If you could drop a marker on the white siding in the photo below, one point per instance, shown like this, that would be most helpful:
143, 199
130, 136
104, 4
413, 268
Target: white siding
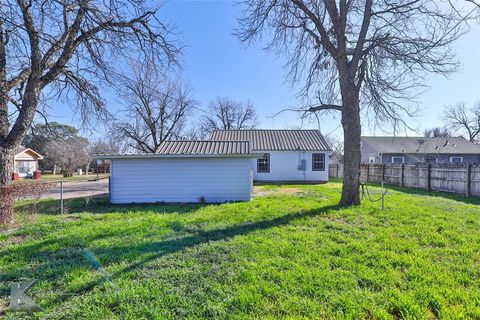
284, 167
180, 180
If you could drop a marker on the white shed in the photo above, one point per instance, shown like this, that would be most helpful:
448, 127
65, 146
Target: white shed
183, 171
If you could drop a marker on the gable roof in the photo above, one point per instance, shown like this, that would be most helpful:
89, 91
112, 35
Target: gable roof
192, 148
450, 145
21, 149
275, 140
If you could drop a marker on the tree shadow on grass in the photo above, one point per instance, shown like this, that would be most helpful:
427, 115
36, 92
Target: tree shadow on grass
452, 196
162, 248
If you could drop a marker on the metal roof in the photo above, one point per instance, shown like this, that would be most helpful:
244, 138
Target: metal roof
193, 148
198, 147
450, 145
276, 140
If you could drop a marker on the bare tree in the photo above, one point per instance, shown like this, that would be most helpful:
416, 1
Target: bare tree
226, 114
437, 133
50, 139
337, 148
156, 109
356, 55
67, 49
104, 145
70, 154
464, 121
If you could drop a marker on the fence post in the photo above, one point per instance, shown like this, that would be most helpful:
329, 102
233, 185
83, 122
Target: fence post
383, 172
368, 172
468, 179
61, 197
402, 168
429, 177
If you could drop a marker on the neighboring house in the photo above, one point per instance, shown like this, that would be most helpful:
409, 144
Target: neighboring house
25, 161
336, 157
183, 171
408, 150
287, 155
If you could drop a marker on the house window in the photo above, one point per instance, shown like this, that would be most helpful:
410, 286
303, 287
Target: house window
456, 159
430, 159
23, 166
371, 159
263, 163
318, 162
398, 159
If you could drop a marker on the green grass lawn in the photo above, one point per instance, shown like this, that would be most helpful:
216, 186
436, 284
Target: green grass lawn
289, 253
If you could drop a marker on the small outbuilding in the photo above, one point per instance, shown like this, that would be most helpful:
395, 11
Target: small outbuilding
183, 171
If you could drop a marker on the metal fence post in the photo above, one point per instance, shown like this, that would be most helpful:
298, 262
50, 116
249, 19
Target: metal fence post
61, 197
402, 168
383, 172
468, 179
429, 177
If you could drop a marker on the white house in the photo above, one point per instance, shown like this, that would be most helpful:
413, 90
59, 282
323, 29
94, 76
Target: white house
25, 161
287, 155
183, 171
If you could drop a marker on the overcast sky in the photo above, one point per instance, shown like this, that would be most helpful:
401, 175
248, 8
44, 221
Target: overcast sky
217, 64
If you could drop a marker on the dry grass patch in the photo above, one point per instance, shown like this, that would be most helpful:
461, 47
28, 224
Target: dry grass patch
266, 191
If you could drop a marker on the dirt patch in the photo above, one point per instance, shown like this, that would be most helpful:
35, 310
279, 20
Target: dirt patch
260, 191
72, 218
16, 239
4, 305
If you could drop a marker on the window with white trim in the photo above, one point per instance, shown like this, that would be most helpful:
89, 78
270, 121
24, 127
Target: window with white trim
318, 162
398, 159
456, 159
263, 163
23, 166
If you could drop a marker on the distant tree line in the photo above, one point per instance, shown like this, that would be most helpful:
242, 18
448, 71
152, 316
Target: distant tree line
64, 149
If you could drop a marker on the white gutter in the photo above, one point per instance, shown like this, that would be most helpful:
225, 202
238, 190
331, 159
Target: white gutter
173, 156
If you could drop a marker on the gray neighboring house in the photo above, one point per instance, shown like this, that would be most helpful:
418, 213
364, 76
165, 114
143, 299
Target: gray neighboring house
411, 150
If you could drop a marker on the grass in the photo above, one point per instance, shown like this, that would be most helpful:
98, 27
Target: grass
289, 253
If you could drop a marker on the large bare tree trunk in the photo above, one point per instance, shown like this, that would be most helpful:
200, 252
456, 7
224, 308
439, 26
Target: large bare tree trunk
351, 133
6, 166
6, 169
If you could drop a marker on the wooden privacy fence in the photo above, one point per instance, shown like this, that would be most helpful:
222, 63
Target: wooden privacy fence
462, 179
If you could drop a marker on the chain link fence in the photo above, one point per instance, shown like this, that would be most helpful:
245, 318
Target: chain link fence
52, 197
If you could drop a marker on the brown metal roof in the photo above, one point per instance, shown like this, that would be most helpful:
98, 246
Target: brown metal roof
203, 147
275, 140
